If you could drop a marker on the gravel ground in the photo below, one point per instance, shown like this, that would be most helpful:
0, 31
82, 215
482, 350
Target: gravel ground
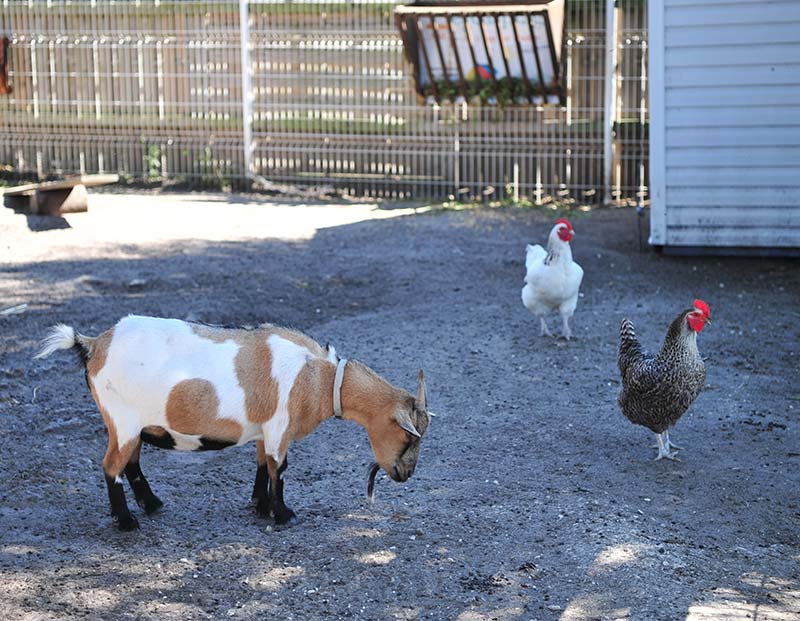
533, 498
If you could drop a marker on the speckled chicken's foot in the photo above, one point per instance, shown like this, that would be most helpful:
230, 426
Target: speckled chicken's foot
545, 331
663, 449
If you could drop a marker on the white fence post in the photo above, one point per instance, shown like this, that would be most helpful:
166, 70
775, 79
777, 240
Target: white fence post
247, 88
609, 112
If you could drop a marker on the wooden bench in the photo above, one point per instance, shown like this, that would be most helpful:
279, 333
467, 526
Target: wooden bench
52, 198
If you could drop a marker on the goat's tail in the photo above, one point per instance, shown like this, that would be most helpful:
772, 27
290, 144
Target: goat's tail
65, 337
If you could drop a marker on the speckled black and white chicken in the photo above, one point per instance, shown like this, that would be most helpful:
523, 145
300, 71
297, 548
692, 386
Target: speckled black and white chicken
657, 390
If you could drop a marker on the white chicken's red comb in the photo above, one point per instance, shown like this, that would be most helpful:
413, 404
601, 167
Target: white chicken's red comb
703, 307
564, 221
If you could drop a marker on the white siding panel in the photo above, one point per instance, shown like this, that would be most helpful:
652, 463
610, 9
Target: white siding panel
743, 115
733, 136
736, 75
746, 236
731, 217
732, 34
753, 198
703, 177
747, 158
728, 55
733, 13
715, 96
684, 3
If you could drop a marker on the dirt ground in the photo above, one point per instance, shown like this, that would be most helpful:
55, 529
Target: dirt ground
533, 497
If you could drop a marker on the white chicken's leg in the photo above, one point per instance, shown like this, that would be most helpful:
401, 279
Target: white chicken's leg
566, 330
663, 449
545, 331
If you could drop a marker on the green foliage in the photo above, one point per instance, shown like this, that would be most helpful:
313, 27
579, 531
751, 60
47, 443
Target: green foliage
503, 92
213, 174
152, 161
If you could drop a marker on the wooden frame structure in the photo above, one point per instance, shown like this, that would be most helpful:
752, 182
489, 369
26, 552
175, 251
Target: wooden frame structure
503, 53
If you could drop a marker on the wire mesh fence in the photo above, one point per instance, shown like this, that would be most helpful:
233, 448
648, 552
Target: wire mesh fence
152, 90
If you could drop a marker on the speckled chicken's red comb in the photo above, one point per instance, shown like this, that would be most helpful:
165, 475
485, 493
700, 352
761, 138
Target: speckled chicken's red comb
564, 221
703, 307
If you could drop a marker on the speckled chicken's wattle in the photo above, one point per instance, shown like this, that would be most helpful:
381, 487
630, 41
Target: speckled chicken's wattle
657, 390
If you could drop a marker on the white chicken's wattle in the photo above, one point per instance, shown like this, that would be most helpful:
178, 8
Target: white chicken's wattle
552, 279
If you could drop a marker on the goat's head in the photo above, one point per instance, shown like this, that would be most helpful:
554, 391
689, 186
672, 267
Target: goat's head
395, 429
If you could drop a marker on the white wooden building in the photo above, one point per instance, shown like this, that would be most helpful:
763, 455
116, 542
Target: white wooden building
725, 125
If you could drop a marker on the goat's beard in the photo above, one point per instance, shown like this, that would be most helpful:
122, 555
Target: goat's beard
372, 472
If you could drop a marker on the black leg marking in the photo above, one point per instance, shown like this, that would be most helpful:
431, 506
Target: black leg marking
262, 481
207, 444
262, 492
164, 440
119, 507
145, 497
282, 513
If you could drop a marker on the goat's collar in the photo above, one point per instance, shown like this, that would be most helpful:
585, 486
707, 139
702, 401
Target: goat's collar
337, 388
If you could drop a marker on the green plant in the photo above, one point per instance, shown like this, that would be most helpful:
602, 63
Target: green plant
212, 172
152, 161
503, 92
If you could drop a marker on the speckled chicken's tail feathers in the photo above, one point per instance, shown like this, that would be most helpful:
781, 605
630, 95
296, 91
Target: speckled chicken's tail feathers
629, 348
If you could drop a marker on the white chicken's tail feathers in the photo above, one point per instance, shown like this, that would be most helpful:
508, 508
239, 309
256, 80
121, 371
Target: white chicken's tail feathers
533, 255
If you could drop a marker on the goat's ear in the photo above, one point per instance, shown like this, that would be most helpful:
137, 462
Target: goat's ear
422, 395
404, 420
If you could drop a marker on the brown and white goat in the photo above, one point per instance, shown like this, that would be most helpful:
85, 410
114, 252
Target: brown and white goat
188, 386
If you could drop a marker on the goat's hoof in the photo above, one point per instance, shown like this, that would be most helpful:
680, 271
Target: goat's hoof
126, 523
263, 510
286, 518
151, 505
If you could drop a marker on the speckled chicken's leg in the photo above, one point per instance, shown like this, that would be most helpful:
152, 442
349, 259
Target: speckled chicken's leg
545, 331
663, 449
669, 442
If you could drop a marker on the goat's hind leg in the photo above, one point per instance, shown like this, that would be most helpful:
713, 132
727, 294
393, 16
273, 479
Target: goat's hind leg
262, 491
145, 497
114, 463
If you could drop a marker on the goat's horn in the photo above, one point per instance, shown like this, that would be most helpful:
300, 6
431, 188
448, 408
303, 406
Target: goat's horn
422, 395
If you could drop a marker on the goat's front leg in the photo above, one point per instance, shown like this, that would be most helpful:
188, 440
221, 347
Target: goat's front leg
261, 487
281, 513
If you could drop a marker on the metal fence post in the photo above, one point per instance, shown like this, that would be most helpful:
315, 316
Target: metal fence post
247, 88
609, 109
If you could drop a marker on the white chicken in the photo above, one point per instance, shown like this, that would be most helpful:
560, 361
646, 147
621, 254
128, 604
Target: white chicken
553, 279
